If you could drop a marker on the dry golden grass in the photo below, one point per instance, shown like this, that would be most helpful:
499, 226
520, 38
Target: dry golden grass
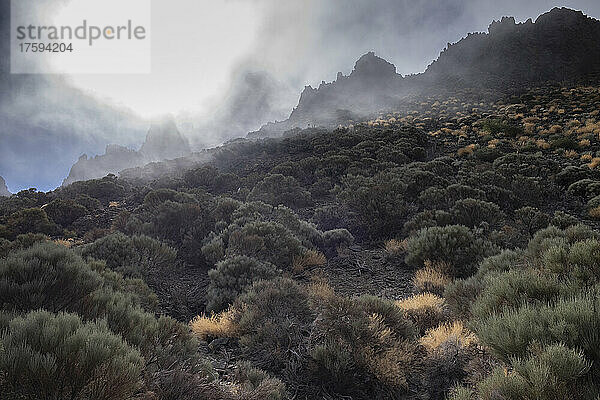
529, 127
454, 332
426, 310
556, 129
542, 144
66, 243
394, 246
320, 290
594, 213
311, 258
571, 154
493, 143
584, 143
421, 301
594, 163
467, 150
432, 278
218, 325
586, 157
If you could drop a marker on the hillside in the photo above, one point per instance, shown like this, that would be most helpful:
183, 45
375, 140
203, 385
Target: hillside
445, 247
560, 46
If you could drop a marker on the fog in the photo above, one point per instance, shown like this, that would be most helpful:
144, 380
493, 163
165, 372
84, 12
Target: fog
223, 68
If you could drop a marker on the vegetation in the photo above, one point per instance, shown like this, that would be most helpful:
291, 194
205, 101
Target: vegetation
448, 249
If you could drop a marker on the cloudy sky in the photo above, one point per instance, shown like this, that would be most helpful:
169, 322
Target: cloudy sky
200, 48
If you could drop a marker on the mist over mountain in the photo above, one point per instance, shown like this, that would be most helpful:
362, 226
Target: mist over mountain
253, 98
560, 46
47, 123
163, 142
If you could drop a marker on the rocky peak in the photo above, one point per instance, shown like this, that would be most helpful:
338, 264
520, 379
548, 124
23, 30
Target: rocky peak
164, 142
3, 189
506, 24
371, 66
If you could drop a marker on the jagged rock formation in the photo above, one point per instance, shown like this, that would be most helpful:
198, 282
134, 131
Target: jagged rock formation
562, 45
372, 84
3, 189
163, 142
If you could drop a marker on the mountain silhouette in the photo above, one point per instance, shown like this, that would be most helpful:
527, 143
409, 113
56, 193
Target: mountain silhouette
562, 45
163, 142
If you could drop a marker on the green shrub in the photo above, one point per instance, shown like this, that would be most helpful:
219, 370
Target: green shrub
137, 256
362, 347
531, 220
573, 321
472, 212
45, 276
56, 356
337, 238
513, 288
232, 277
555, 373
460, 294
65, 212
273, 320
455, 245
266, 241
498, 126
276, 189
29, 220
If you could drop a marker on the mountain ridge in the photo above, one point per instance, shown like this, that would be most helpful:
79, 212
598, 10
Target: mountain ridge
561, 45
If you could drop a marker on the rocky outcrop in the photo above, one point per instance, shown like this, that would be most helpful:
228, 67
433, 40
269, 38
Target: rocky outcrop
163, 142
373, 84
3, 189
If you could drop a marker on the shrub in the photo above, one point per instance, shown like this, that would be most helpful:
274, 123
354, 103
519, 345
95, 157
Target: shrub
425, 310
574, 322
555, 373
460, 294
278, 189
46, 276
362, 347
454, 333
273, 320
337, 239
65, 212
137, 256
310, 258
455, 245
513, 288
432, 278
265, 241
29, 220
57, 356
472, 212
531, 220
214, 326
232, 277
498, 126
